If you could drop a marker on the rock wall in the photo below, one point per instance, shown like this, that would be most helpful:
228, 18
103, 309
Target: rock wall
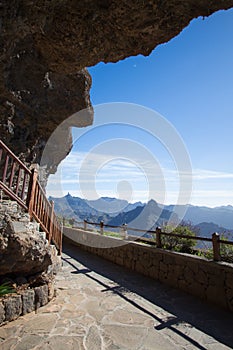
45, 46
208, 280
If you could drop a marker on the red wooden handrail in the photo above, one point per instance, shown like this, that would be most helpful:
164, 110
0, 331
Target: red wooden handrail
22, 185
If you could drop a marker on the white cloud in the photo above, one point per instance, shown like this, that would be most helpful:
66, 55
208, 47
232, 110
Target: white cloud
105, 171
203, 174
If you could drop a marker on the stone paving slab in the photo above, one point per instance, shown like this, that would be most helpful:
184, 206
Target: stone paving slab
101, 306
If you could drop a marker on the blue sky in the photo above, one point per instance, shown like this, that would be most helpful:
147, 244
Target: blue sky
189, 82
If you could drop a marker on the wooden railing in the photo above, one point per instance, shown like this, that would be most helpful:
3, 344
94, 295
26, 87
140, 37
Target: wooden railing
157, 234
22, 185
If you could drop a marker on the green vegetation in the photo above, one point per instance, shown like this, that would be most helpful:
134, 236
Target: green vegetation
183, 245
6, 288
112, 234
226, 251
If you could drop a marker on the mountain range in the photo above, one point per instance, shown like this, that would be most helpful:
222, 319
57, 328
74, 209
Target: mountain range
116, 212
103, 208
222, 216
146, 217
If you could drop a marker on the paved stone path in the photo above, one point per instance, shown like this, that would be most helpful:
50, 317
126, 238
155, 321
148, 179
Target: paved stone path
100, 305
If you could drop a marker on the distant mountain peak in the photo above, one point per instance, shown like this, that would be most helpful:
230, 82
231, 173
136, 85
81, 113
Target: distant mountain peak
152, 202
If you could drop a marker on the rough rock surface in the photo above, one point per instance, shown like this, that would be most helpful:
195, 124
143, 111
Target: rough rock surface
24, 250
45, 46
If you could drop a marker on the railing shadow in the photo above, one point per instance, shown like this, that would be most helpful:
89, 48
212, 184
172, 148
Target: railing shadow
182, 307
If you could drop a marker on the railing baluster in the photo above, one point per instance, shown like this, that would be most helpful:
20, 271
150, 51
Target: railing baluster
37, 208
18, 181
24, 185
46, 216
12, 173
5, 169
41, 207
51, 226
39, 204
34, 200
36, 203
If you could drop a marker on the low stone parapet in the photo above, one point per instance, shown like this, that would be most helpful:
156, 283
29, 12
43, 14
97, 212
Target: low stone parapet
208, 280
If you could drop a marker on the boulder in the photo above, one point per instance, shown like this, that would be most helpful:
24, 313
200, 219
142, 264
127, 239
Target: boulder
24, 250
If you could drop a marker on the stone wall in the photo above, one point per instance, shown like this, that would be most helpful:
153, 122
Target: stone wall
15, 305
208, 280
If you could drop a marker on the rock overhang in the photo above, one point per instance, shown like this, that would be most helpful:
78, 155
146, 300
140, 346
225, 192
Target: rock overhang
46, 46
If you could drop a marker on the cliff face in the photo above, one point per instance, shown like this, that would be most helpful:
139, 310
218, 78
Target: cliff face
45, 46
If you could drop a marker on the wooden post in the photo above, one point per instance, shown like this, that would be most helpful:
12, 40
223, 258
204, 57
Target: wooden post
85, 225
31, 191
125, 231
60, 235
101, 227
216, 246
60, 244
158, 237
51, 221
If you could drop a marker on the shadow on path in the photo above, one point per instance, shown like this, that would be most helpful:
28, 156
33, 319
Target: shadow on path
183, 308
